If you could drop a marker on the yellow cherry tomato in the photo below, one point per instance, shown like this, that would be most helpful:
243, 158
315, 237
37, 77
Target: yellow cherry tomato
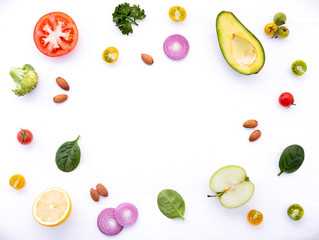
255, 217
177, 13
110, 54
271, 29
17, 181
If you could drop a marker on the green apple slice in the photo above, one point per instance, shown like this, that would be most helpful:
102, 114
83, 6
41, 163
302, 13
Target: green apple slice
232, 186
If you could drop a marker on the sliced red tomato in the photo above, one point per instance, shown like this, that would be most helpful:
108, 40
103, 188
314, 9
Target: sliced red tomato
55, 34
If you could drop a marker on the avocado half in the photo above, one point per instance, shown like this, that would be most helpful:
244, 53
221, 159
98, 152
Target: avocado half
241, 49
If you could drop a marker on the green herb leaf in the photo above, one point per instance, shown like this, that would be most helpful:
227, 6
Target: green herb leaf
68, 156
291, 159
171, 204
124, 16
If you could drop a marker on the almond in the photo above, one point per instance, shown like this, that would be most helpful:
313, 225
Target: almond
254, 135
102, 190
62, 83
94, 195
60, 98
250, 124
147, 59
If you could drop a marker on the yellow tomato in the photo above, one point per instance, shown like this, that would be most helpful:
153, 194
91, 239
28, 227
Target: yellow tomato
177, 13
255, 217
271, 29
17, 181
110, 54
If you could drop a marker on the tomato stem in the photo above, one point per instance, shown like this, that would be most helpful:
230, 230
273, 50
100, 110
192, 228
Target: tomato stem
24, 135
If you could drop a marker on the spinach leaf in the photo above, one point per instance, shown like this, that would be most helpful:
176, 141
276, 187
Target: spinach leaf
291, 159
171, 204
68, 156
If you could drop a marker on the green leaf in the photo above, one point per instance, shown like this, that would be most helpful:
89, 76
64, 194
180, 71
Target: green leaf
68, 156
171, 204
137, 13
124, 9
291, 159
124, 16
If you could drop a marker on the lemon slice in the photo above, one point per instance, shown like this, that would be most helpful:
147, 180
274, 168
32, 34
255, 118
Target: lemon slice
52, 207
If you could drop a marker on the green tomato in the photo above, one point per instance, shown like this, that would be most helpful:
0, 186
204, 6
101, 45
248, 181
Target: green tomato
299, 67
283, 32
280, 18
295, 212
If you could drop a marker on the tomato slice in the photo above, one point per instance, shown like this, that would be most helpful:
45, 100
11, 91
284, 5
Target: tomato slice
295, 212
110, 54
255, 217
55, 34
17, 181
177, 13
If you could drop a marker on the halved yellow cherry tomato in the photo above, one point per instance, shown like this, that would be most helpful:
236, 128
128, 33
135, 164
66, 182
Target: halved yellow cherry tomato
177, 13
271, 29
17, 181
110, 54
255, 217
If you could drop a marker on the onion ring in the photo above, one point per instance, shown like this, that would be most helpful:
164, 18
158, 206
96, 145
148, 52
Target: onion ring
176, 47
126, 214
107, 223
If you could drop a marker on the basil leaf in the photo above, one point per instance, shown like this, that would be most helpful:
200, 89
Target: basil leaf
291, 159
68, 156
171, 204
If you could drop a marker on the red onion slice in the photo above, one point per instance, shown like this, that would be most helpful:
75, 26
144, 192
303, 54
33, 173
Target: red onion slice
107, 223
126, 214
176, 47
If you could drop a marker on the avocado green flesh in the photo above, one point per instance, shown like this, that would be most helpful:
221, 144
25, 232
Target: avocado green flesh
241, 49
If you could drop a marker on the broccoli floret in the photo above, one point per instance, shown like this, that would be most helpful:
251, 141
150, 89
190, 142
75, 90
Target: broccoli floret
26, 79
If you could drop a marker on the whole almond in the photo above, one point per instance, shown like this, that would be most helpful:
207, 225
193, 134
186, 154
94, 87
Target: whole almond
62, 83
102, 190
254, 135
60, 98
94, 195
250, 124
147, 59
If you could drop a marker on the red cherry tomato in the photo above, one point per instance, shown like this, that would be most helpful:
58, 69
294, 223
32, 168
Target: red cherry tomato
25, 136
286, 99
55, 34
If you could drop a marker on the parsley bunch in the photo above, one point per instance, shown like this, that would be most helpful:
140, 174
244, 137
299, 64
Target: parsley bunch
125, 15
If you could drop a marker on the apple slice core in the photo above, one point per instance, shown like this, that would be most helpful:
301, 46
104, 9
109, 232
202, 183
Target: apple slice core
238, 195
232, 186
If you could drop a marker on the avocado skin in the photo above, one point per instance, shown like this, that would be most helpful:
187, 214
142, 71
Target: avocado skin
260, 47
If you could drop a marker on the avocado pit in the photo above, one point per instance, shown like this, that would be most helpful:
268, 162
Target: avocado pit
243, 52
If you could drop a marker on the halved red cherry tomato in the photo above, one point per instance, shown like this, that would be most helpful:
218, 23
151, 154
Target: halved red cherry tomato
255, 217
55, 34
25, 136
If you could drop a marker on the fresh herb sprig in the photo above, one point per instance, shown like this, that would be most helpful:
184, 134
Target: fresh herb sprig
125, 15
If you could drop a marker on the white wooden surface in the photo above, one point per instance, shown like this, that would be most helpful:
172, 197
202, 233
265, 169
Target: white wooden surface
169, 125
